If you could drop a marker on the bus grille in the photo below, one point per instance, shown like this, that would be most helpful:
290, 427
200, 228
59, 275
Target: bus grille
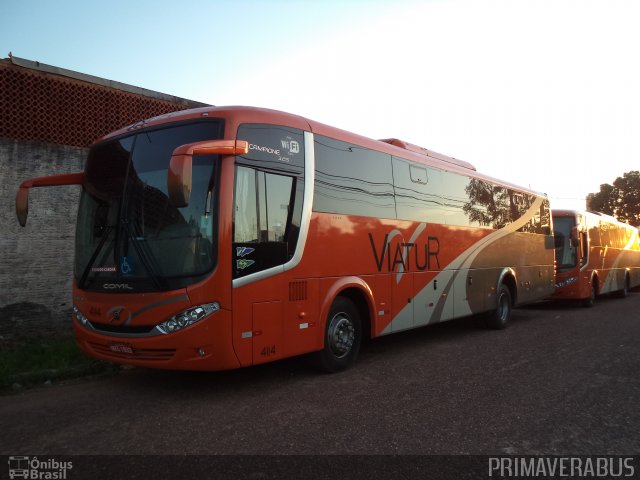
297, 291
149, 354
131, 330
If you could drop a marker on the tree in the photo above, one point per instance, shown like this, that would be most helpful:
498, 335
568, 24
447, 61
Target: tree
602, 201
622, 199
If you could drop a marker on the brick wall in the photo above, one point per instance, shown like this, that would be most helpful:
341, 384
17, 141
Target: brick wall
37, 104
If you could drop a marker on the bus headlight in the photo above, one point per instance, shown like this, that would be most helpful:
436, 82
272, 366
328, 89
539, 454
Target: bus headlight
188, 317
80, 316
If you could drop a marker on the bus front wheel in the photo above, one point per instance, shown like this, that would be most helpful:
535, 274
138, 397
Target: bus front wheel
342, 337
590, 301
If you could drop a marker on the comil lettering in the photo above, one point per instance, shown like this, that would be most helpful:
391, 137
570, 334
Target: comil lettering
116, 286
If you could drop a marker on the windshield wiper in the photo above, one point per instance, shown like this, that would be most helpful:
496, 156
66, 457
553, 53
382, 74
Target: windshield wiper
94, 256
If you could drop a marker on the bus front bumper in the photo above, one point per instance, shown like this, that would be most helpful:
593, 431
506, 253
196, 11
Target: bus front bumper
206, 345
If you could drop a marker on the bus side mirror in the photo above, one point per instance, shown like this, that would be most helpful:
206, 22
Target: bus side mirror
22, 197
179, 175
575, 238
179, 180
22, 205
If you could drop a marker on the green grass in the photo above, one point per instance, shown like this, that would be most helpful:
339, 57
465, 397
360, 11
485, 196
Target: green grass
32, 364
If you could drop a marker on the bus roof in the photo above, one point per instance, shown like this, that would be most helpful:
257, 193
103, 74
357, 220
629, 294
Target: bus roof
429, 153
393, 146
589, 213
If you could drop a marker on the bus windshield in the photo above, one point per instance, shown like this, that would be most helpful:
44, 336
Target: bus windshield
129, 237
566, 254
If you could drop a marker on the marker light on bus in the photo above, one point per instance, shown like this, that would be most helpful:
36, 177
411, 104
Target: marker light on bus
188, 317
80, 316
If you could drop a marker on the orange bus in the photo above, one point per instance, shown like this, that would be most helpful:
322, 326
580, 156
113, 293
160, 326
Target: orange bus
218, 238
595, 254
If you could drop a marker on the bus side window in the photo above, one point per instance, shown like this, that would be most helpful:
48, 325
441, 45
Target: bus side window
245, 215
262, 219
418, 192
274, 194
352, 180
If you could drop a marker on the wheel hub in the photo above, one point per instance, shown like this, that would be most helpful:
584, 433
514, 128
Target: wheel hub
341, 334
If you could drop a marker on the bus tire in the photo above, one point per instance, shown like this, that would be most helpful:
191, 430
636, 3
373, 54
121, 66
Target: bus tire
624, 292
498, 318
342, 337
590, 301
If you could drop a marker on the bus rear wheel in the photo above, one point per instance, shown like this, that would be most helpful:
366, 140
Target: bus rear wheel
500, 316
624, 292
342, 338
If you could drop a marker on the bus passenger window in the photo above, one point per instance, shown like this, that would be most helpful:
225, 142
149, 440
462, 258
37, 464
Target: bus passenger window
353, 180
419, 192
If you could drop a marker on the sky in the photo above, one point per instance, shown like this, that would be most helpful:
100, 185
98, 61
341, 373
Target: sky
540, 93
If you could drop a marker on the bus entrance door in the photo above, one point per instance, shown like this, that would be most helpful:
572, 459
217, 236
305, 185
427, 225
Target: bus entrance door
267, 331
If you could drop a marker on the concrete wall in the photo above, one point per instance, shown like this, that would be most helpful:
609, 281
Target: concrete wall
36, 262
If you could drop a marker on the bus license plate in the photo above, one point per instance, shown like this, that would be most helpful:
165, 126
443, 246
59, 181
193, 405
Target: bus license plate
121, 348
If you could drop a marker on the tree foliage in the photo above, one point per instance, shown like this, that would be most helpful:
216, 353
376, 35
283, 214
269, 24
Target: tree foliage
622, 199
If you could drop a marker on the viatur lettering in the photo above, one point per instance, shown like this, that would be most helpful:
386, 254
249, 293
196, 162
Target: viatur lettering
406, 256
